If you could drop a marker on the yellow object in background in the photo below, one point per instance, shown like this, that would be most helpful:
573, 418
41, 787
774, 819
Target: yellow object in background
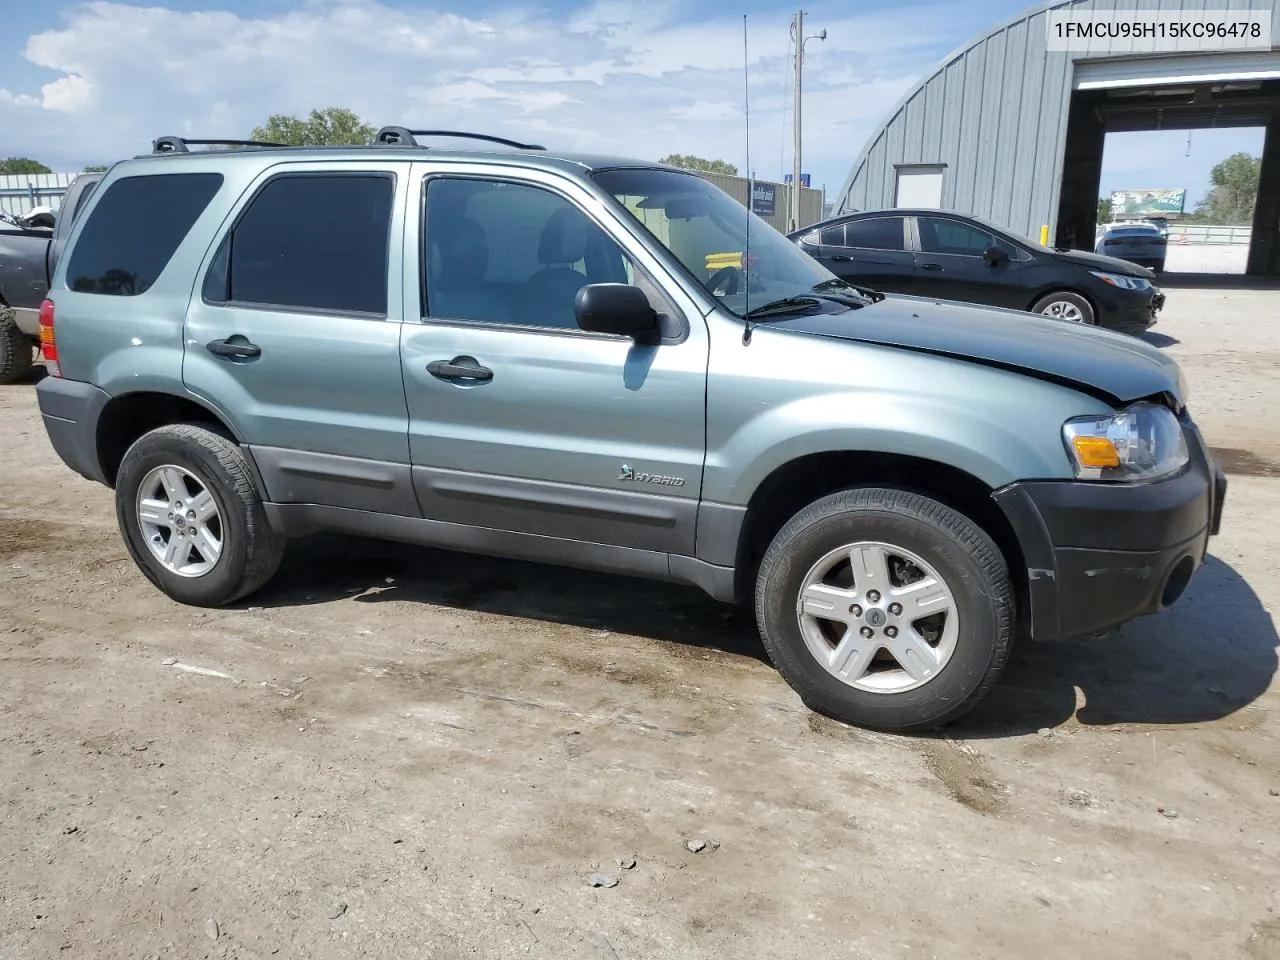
718, 261
1044, 235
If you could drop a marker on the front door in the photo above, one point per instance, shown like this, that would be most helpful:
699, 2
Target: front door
950, 264
294, 334
519, 420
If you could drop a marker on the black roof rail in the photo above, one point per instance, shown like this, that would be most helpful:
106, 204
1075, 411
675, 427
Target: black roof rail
179, 144
404, 137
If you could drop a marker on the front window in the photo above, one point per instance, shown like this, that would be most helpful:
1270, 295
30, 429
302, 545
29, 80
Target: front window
706, 230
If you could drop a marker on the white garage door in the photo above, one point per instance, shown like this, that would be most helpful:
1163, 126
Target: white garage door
919, 186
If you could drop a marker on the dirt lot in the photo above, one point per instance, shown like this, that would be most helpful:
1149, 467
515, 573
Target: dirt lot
409, 754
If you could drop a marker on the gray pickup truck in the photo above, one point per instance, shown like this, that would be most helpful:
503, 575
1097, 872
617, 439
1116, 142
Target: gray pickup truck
29, 248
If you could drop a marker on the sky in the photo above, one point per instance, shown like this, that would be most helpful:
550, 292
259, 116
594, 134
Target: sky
89, 83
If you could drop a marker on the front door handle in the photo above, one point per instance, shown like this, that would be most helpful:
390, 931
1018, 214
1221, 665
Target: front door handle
930, 266
459, 368
234, 347
840, 258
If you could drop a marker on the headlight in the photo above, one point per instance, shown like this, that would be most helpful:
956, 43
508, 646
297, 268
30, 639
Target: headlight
1123, 282
1139, 443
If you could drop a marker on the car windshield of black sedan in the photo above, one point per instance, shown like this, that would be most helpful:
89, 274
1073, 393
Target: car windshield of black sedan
707, 231
1013, 235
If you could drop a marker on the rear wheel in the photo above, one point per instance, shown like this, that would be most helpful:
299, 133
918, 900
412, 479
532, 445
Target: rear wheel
1065, 305
191, 518
16, 349
885, 609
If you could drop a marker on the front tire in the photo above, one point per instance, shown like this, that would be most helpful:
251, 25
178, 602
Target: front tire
1065, 305
885, 609
16, 349
191, 518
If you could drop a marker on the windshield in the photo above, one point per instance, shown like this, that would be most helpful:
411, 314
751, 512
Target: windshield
1011, 234
706, 230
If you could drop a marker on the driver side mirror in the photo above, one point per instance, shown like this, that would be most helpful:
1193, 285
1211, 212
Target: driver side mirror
617, 308
994, 256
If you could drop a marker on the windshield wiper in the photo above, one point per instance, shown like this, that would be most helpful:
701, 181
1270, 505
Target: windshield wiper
835, 283
784, 305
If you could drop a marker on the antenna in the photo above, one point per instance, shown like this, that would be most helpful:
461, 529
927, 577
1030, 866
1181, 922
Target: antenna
751, 189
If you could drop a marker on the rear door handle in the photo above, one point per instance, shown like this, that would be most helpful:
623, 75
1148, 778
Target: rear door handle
234, 347
930, 266
459, 368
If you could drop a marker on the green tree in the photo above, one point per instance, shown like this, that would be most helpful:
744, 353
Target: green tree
697, 163
1230, 201
96, 169
330, 127
1104, 209
19, 165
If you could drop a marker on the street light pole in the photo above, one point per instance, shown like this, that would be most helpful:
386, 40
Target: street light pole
797, 34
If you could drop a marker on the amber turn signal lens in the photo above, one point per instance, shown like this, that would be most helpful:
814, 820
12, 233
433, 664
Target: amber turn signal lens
1096, 452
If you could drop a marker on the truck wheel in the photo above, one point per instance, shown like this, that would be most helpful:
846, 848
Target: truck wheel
885, 609
16, 348
1066, 305
191, 518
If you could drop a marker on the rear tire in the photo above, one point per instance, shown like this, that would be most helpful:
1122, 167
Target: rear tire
870, 642
16, 349
1065, 305
191, 518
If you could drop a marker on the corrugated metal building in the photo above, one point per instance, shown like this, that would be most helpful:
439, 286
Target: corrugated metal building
20, 192
1011, 130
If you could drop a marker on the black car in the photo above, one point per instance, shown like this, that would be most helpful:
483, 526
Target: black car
953, 256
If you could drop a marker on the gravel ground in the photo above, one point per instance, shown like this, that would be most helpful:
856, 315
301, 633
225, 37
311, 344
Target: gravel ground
396, 753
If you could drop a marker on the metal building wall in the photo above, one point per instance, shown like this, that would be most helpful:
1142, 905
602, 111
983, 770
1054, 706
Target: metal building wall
20, 192
995, 113
739, 188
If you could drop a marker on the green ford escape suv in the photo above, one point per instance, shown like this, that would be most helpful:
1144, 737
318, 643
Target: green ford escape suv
610, 364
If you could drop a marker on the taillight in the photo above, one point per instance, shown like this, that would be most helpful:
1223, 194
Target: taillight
48, 345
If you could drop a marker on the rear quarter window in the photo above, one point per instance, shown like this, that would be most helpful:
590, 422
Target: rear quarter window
134, 230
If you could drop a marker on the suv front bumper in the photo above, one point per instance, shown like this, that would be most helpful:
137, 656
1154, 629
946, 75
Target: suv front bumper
1099, 554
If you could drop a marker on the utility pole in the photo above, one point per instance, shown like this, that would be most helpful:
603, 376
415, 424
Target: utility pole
797, 34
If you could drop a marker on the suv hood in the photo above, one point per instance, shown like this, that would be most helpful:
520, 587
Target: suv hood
1098, 261
1117, 367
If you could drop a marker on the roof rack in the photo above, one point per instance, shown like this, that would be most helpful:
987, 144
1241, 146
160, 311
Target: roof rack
404, 137
180, 144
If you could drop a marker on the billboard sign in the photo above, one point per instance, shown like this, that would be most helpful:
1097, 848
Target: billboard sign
764, 198
1147, 203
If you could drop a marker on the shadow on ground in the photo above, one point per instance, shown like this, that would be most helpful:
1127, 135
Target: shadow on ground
1217, 281
1159, 339
328, 567
1209, 656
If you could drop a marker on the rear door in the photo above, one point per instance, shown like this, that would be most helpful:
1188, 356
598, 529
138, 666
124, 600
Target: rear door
950, 264
870, 251
294, 333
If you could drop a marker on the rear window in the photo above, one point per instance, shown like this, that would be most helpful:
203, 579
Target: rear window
310, 242
878, 233
134, 230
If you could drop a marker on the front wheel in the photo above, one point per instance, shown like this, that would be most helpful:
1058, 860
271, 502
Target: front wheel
885, 609
191, 517
1065, 305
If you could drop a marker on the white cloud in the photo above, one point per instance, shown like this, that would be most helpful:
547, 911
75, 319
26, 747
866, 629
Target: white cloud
617, 77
